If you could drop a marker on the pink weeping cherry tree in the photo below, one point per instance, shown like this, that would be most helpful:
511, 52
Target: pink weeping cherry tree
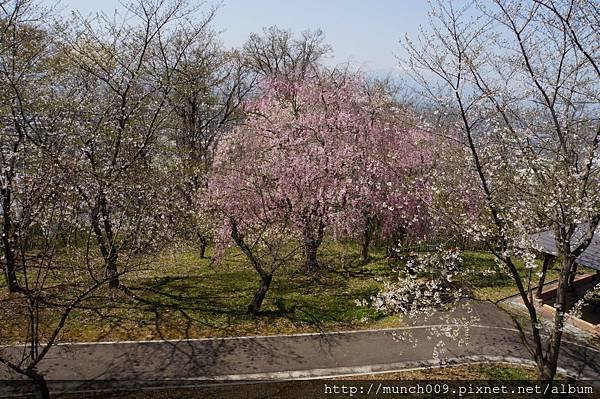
242, 197
336, 148
315, 154
313, 130
393, 180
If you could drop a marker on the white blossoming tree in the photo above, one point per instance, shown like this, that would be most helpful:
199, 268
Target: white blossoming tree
517, 83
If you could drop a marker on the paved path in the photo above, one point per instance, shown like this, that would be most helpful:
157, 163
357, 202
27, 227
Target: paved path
294, 356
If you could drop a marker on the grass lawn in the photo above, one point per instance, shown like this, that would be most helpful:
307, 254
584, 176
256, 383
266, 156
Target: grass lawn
179, 295
489, 281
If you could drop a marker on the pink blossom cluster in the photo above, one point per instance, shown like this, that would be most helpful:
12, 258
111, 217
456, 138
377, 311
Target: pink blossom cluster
321, 154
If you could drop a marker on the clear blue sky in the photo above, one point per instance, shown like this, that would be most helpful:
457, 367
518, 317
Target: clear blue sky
367, 33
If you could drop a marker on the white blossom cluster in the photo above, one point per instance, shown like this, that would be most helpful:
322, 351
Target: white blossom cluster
426, 291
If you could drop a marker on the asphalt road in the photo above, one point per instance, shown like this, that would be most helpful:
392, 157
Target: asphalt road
126, 364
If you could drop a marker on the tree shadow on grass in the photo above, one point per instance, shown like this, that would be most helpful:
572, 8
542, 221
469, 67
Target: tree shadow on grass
191, 293
214, 303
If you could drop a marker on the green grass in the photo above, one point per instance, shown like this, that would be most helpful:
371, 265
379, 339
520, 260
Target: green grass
487, 280
179, 295
506, 373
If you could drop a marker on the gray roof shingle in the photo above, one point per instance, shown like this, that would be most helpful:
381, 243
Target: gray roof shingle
546, 242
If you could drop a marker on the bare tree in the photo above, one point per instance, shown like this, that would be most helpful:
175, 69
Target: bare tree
50, 291
278, 52
125, 70
211, 85
518, 84
38, 200
22, 49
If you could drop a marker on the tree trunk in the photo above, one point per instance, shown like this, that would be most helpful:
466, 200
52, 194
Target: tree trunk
10, 264
112, 273
394, 242
311, 263
546, 376
105, 239
548, 260
203, 244
41, 387
389, 248
259, 296
572, 274
367, 237
265, 277
312, 241
111, 262
364, 252
547, 370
